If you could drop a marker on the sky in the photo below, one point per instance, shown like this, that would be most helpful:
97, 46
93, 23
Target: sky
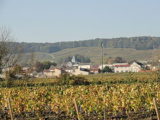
69, 20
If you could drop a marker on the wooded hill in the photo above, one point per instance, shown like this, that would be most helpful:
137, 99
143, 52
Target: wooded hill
138, 43
134, 48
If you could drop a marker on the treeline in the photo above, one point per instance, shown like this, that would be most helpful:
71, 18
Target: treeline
139, 43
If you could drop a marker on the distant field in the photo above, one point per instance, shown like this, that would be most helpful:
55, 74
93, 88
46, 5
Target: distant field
109, 96
94, 53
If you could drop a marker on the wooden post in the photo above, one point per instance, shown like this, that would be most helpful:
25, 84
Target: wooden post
76, 107
10, 109
104, 113
104, 108
156, 108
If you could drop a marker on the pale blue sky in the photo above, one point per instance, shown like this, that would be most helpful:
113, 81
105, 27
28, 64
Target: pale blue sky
68, 20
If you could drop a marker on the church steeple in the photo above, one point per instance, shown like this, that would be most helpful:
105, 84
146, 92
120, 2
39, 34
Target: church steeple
73, 59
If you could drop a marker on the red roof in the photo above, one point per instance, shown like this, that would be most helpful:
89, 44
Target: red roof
127, 65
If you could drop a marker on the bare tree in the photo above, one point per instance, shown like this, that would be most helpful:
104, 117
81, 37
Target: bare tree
9, 55
9, 50
4, 39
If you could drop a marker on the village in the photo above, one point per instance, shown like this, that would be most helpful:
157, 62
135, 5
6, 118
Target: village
74, 68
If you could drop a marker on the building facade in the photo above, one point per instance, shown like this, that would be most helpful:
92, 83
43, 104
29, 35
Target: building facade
125, 67
56, 72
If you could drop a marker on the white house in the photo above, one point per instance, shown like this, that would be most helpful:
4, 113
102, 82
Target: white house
79, 72
121, 68
84, 66
125, 67
135, 67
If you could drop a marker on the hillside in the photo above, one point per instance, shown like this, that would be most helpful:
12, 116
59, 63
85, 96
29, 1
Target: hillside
133, 48
138, 43
94, 53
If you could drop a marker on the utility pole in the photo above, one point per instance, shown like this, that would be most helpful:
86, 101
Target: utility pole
102, 55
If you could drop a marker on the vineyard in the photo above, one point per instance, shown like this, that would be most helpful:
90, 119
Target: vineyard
107, 97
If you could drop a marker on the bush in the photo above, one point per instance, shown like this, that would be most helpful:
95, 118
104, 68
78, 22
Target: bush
77, 80
67, 79
107, 70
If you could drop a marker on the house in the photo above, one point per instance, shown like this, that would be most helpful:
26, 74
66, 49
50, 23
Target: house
53, 72
69, 70
136, 67
84, 66
69, 64
80, 72
77, 69
125, 67
121, 67
81, 69
94, 69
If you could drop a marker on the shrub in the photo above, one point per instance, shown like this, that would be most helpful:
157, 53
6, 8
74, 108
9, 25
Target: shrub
78, 80
67, 79
107, 70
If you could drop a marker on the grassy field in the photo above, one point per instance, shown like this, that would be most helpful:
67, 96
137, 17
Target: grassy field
109, 96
